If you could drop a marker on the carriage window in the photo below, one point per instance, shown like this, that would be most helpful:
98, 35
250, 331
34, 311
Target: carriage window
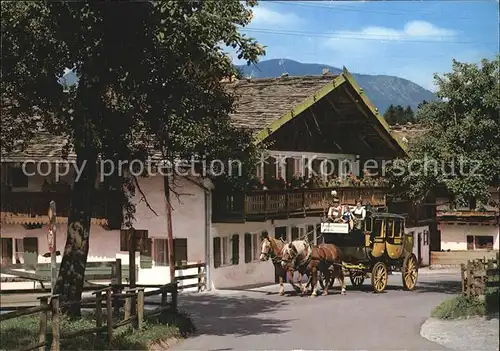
397, 228
377, 227
389, 227
368, 224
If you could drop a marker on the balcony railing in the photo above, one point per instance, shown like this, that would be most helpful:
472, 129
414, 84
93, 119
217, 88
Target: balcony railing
31, 207
276, 204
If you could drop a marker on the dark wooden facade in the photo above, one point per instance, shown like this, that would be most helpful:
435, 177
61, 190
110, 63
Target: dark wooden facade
282, 204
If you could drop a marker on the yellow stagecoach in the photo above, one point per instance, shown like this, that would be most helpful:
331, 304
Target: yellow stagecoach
373, 249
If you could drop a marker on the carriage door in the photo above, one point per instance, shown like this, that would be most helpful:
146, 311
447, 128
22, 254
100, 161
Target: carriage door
394, 241
279, 233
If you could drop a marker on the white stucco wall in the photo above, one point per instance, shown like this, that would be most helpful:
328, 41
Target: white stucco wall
424, 244
252, 273
188, 221
454, 237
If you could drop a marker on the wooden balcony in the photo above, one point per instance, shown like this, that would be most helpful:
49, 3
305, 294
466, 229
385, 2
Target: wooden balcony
30, 208
281, 204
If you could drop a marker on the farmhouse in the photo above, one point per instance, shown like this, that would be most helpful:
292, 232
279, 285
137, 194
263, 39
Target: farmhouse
466, 232
319, 124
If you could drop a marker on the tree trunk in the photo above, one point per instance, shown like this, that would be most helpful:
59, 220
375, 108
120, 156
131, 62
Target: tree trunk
72, 272
170, 236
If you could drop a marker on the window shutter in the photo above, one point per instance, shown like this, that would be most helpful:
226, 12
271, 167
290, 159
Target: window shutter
236, 249
217, 257
30, 254
146, 261
248, 247
180, 250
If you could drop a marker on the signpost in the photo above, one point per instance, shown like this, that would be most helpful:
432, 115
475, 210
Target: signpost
51, 241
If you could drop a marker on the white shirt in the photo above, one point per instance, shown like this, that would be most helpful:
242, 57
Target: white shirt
359, 211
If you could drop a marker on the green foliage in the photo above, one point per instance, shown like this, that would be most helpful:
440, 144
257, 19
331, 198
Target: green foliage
23, 331
458, 307
399, 115
462, 138
149, 76
149, 83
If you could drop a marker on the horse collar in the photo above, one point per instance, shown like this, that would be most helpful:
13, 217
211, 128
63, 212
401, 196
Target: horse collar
308, 259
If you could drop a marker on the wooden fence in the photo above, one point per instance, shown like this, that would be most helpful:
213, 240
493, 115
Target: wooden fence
134, 312
479, 276
456, 258
200, 276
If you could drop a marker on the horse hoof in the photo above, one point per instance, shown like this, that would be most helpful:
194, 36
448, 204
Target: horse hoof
325, 293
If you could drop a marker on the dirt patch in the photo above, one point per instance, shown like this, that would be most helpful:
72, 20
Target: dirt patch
164, 344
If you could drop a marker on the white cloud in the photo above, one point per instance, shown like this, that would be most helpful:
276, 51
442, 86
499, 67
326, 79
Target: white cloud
264, 16
412, 31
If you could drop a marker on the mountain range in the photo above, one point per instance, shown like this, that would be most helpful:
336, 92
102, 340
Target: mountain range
382, 90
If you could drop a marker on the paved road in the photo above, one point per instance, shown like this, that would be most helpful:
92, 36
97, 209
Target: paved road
360, 320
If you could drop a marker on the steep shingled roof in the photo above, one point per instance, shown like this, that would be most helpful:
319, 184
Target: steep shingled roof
265, 105
262, 101
407, 131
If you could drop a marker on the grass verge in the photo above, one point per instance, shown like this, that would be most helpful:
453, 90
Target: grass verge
23, 331
459, 307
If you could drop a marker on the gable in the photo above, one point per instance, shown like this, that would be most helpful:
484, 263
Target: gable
325, 113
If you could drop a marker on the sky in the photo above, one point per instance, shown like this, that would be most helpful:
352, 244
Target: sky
408, 39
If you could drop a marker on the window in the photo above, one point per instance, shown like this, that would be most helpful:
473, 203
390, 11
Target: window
280, 233
252, 247
377, 228
389, 226
160, 252
470, 242
226, 250
17, 178
290, 169
426, 237
295, 233
368, 224
310, 235
126, 237
26, 251
483, 242
397, 228
6, 251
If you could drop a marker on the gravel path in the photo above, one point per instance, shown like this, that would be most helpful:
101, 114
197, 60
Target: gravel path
466, 334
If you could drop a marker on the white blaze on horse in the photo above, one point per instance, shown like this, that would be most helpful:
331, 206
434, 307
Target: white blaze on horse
272, 248
307, 259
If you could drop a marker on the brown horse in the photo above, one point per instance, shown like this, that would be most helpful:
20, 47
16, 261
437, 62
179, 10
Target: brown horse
311, 260
272, 248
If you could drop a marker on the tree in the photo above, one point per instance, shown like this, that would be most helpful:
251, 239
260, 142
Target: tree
149, 79
399, 115
463, 136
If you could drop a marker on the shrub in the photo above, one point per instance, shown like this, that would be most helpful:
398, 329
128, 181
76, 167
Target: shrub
459, 306
23, 331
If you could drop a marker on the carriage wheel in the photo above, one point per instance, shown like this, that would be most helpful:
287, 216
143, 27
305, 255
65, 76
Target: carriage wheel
379, 277
410, 272
357, 278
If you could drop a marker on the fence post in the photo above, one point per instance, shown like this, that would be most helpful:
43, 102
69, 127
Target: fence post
464, 281
128, 305
470, 282
174, 296
54, 301
42, 335
118, 280
109, 315
199, 278
140, 308
98, 309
